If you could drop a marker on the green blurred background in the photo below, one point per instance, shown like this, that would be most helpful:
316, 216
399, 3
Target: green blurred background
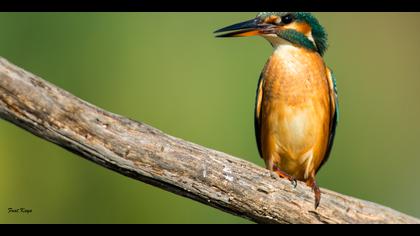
167, 69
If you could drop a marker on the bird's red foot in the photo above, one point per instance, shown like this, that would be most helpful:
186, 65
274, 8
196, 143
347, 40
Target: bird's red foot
283, 174
312, 183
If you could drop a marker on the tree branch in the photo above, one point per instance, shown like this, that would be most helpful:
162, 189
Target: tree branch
144, 153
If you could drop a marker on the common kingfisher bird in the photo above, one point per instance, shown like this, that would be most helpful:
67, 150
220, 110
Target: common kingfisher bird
296, 107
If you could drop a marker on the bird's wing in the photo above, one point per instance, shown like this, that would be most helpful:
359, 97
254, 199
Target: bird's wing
257, 115
334, 114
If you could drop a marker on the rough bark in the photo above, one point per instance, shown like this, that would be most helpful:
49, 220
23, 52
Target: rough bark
144, 153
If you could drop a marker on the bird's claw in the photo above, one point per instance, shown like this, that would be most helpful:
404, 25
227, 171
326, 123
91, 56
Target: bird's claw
294, 182
282, 174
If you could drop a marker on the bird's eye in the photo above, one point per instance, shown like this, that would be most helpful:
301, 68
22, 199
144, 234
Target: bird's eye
287, 19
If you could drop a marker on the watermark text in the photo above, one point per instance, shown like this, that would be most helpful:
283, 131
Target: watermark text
21, 210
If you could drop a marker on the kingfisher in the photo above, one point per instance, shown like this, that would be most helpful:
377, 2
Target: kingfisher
296, 105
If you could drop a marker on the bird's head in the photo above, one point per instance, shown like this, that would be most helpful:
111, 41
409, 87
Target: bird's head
299, 28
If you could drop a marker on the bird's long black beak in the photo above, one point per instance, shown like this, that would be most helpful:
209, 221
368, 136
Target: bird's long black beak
246, 28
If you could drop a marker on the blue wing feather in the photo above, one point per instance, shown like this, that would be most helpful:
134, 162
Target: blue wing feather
334, 120
257, 117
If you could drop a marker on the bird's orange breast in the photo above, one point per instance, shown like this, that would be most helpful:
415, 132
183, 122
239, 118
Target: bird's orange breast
294, 111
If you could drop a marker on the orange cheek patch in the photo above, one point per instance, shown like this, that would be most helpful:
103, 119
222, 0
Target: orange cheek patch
299, 27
